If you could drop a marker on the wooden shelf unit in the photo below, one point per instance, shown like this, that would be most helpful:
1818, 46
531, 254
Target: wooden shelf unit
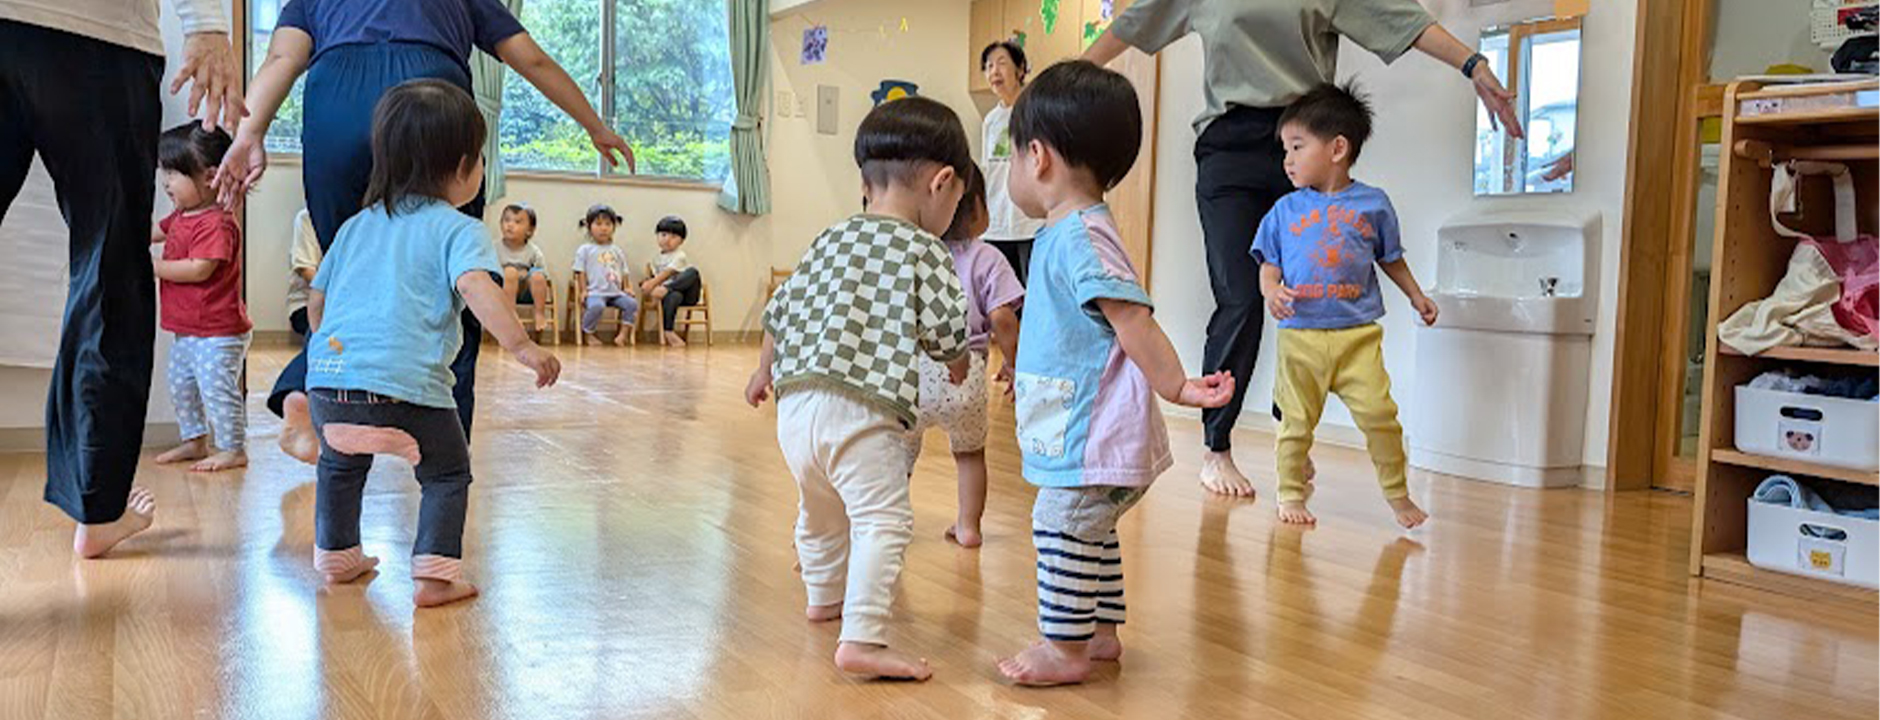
1748, 260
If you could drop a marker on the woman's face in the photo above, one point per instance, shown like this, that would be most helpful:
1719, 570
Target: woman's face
1002, 74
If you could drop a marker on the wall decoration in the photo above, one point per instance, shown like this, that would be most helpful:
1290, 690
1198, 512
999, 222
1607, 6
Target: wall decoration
1018, 38
892, 90
1106, 10
815, 44
1049, 12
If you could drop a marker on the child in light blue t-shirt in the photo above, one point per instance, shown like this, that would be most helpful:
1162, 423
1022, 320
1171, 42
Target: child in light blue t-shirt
385, 310
1319, 248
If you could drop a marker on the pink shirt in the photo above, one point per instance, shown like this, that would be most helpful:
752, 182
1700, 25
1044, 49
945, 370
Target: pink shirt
989, 284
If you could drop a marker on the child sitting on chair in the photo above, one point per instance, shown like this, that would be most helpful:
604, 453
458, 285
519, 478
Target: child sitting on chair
525, 270
675, 282
600, 270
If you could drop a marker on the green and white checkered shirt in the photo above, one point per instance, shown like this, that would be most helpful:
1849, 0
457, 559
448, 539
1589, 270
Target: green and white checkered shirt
870, 297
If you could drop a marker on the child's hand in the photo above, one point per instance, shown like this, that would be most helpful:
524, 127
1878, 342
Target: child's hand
959, 369
1279, 301
1009, 376
547, 368
1210, 391
758, 389
1425, 307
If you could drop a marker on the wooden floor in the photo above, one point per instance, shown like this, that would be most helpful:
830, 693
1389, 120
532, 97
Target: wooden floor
631, 532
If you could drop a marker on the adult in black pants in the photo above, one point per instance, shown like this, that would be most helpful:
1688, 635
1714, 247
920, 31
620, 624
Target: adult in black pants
1258, 57
78, 88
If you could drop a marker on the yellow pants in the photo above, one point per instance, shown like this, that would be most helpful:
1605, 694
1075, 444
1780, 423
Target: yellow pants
1349, 362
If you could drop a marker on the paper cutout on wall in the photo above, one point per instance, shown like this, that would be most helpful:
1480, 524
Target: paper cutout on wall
892, 90
1092, 31
815, 44
903, 24
1049, 12
1106, 10
1018, 38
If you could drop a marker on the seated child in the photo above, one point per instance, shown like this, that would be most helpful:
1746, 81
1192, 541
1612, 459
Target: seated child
525, 271
1317, 248
993, 297
675, 283
600, 274
842, 339
400, 274
201, 280
303, 261
1091, 366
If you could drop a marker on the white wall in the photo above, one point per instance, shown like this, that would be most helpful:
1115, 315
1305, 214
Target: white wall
814, 181
1421, 156
1751, 35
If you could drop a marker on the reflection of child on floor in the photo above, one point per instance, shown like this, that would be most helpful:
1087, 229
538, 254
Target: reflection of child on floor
525, 270
675, 282
993, 296
600, 272
201, 278
1318, 250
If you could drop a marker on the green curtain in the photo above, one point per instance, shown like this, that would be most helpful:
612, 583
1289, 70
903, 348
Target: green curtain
486, 79
747, 189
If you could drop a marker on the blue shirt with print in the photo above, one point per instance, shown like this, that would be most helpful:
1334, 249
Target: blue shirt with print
1327, 247
391, 323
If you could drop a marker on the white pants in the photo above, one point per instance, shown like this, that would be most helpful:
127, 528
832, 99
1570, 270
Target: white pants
205, 386
854, 520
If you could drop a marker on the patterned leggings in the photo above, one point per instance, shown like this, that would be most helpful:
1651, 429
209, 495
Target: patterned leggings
205, 384
1080, 560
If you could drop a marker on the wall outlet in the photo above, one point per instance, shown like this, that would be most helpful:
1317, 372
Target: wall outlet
785, 104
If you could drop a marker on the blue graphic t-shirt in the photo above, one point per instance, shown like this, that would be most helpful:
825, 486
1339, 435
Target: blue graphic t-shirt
1327, 248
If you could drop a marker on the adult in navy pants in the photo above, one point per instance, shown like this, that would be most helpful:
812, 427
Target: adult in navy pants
78, 88
352, 51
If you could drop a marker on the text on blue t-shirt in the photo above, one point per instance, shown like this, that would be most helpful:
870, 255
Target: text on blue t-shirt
1327, 248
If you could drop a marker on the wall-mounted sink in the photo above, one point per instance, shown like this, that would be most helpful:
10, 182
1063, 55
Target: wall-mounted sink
1518, 271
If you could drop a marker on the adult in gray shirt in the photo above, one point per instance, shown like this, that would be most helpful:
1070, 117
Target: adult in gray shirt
1259, 57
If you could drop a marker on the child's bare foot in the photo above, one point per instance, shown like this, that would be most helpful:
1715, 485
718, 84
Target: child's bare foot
672, 339
880, 661
1047, 663
1408, 514
432, 593
1295, 513
964, 535
343, 566
592, 339
298, 439
1221, 477
624, 336
93, 541
225, 460
823, 613
1106, 646
196, 449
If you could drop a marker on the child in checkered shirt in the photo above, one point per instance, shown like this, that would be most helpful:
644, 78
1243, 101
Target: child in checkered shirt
843, 340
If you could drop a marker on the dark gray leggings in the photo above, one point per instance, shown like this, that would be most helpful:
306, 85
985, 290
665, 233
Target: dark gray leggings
443, 470
683, 289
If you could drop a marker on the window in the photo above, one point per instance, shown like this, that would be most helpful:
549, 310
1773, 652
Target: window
669, 81
284, 134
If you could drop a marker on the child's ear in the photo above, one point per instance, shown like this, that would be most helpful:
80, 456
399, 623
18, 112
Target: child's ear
1040, 156
943, 180
1341, 149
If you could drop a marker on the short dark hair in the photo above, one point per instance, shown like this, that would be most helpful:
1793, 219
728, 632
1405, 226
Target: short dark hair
191, 150
1329, 111
671, 224
524, 210
598, 211
897, 136
424, 132
1011, 49
1087, 114
972, 205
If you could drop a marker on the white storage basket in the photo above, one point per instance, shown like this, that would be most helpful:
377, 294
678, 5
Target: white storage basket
1815, 544
1816, 428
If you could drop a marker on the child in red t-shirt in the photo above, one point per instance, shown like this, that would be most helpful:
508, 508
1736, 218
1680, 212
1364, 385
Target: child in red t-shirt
201, 281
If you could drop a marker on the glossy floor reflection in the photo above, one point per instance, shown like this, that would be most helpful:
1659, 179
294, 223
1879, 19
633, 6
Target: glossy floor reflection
631, 533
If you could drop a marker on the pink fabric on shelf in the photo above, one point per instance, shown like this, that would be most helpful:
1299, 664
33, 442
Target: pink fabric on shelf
1857, 265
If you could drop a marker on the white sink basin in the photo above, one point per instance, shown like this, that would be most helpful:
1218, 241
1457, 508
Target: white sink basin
1518, 271
1545, 315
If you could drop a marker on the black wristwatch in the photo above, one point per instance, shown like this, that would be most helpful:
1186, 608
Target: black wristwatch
1468, 66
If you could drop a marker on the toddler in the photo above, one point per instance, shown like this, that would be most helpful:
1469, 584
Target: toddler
1316, 250
201, 279
400, 274
525, 271
675, 283
993, 296
842, 339
1092, 364
303, 261
600, 270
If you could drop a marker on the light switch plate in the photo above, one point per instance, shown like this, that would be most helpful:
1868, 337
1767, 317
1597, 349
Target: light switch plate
827, 104
786, 103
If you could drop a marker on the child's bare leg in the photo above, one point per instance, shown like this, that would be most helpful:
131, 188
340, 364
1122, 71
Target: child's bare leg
1106, 646
1047, 663
298, 439
92, 541
972, 477
191, 449
511, 286
1408, 514
880, 661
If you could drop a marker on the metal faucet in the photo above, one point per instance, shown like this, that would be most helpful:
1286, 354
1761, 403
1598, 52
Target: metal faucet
1548, 286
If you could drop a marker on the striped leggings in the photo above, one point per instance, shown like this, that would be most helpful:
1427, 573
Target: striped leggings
1080, 561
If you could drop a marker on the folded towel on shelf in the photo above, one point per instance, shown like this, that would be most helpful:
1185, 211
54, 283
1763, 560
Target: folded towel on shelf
1788, 492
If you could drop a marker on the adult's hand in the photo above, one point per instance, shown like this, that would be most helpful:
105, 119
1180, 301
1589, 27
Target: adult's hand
241, 169
1499, 100
609, 142
210, 69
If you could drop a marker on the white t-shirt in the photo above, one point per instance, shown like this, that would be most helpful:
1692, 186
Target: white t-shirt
525, 258
1006, 221
305, 253
675, 261
130, 23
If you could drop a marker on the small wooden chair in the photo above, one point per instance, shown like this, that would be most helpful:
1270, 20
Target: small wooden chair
690, 316
536, 323
577, 303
